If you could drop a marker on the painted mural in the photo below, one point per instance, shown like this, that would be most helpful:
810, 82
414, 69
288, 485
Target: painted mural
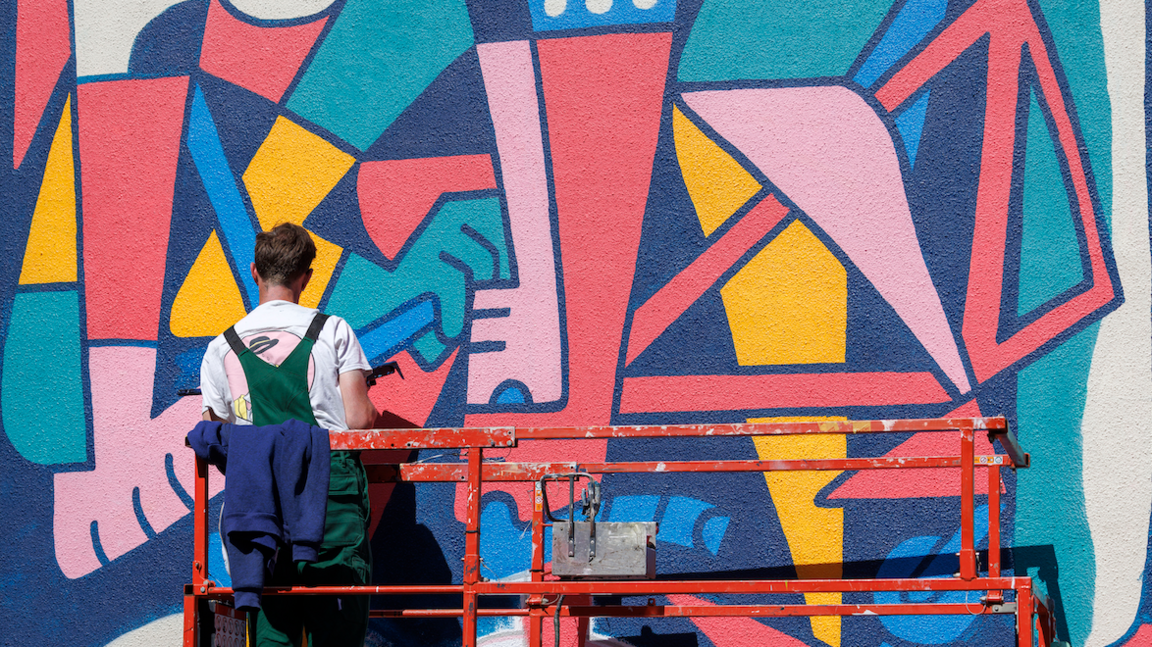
590, 212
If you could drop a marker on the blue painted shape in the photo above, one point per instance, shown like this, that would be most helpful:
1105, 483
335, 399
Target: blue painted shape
634, 507
575, 14
902, 562
505, 544
236, 225
216, 571
511, 395
40, 394
378, 57
912, 24
713, 532
679, 520
910, 123
188, 363
380, 341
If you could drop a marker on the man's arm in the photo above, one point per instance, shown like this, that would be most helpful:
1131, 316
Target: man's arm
359, 412
211, 415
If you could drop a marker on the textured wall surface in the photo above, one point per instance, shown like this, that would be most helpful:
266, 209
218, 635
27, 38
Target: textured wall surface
589, 212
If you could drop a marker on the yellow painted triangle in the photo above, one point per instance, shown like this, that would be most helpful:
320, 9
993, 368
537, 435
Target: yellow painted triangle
815, 535
209, 301
717, 184
50, 256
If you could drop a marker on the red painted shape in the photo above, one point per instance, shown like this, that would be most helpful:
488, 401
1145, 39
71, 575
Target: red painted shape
654, 317
261, 59
735, 632
913, 484
129, 145
670, 393
603, 97
1010, 26
396, 195
1143, 637
43, 45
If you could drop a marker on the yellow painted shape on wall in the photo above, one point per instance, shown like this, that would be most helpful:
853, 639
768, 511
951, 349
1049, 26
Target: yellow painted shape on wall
815, 535
50, 256
789, 304
717, 184
209, 301
291, 173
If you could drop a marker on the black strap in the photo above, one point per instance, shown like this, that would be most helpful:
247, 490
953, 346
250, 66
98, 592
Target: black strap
234, 340
317, 325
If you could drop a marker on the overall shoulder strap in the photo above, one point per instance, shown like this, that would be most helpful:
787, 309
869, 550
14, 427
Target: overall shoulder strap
317, 325
233, 340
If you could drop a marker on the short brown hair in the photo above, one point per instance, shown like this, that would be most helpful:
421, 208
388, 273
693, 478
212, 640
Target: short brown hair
284, 253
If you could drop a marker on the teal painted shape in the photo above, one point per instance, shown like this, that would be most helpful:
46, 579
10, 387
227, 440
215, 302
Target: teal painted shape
378, 57
1050, 251
40, 394
1050, 396
777, 39
470, 233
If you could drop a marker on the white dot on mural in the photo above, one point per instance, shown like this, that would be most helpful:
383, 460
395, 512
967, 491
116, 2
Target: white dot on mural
598, 6
644, 4
555, 7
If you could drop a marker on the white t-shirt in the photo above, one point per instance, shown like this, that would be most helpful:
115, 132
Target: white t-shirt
272, 331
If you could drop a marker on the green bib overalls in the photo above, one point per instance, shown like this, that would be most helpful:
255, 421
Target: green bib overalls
279, 393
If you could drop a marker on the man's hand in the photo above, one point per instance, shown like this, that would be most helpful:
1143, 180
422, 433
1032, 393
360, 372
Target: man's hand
359, 412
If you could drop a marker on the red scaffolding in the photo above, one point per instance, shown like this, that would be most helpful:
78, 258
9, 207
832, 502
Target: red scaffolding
546, 597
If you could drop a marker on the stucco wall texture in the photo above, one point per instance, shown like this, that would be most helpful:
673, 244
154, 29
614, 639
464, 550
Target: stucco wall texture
590, 212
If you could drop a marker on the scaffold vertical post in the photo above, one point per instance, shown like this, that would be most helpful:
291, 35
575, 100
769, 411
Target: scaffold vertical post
472, 545
535, 612
967, 503
1024, 612
192, 603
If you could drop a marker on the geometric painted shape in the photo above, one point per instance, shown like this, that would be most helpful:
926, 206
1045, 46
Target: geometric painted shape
549, 14
828, 150
911, 25
1049, 249
381, 340
377, 58
413, 397
679, 520
261, 59
209, 301
815, 535
223, 191
41, 395
327, 257
530, 331
130, 133
603, 99
651, 319
777, 39
634, 507
43, 45
291, 173
910, 123
735, 631
713, 533
106, 33
717, 184
396, 195
280, 9
789, 304
50, 255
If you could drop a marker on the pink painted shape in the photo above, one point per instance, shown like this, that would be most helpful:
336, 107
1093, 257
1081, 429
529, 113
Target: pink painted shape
396, 195
830, 153
43, 45
261, 59
653, 318
603, 96
736, 632
531, 331
913, 484
130, 449
129, 145
1143, 637
413, 397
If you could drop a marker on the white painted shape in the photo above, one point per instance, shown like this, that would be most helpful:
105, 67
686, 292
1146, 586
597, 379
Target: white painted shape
554, 8
1117, 441
279, 9
165, 632
644, 4
106, 31
598, 6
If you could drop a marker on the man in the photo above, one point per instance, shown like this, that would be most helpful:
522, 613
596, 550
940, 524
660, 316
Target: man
286, 361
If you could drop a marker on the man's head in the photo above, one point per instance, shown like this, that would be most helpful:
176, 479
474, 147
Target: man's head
284, 254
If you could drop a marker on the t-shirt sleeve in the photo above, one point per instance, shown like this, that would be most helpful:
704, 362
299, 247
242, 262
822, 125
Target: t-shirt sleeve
214, 385
349, 355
